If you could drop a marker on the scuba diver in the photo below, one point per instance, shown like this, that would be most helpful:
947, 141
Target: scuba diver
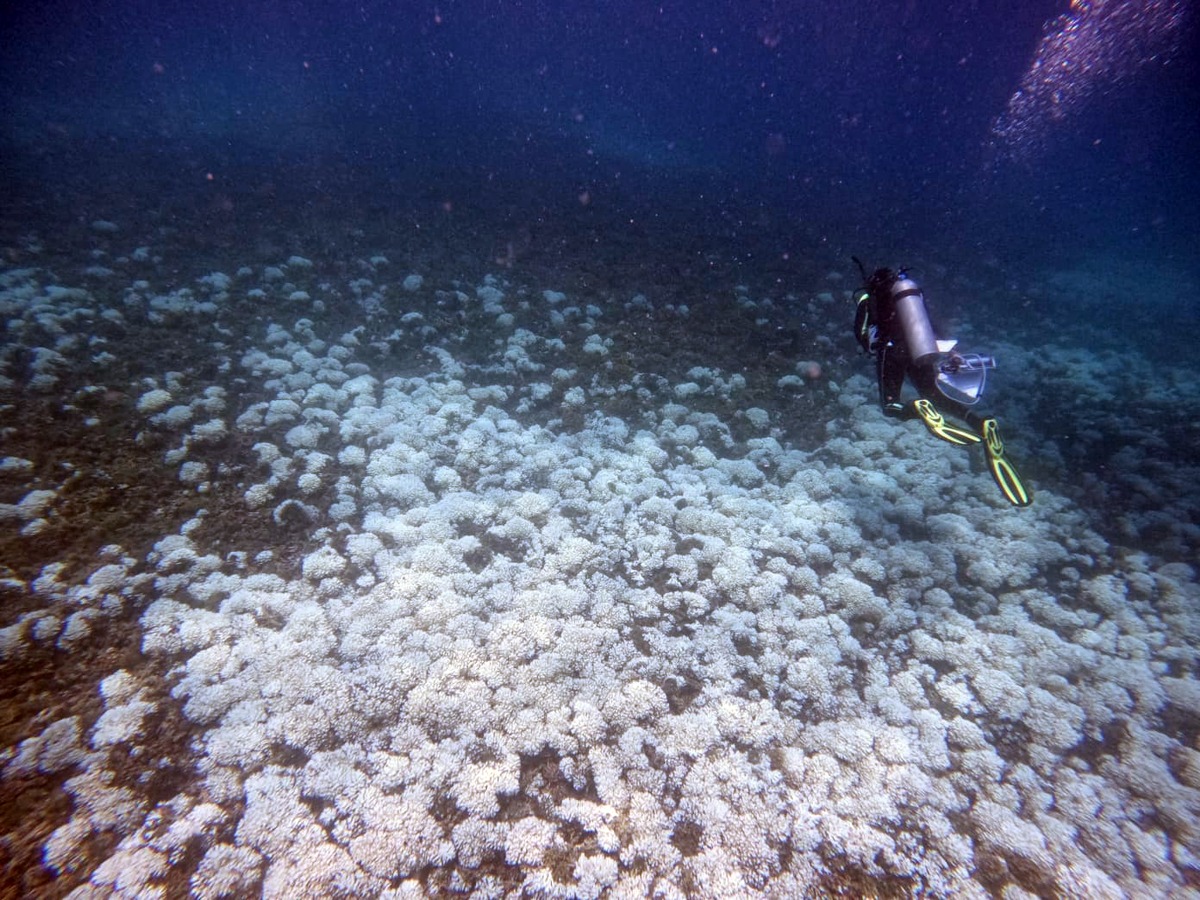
892, 323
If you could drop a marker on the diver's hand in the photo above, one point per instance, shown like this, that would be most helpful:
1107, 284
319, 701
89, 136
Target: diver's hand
953, 361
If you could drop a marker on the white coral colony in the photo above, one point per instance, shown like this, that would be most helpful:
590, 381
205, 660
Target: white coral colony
528, 649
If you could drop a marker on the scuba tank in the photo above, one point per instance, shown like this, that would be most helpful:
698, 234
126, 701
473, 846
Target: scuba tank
914, 319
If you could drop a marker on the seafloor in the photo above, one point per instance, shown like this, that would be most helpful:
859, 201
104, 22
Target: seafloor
371, 549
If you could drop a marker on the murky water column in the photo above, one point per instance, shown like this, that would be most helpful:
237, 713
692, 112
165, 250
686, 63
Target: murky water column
1094, 46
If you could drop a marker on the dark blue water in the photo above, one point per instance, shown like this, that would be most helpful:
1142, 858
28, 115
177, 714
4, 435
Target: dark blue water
874, 127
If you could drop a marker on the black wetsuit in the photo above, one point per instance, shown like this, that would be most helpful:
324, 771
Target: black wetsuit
877, 328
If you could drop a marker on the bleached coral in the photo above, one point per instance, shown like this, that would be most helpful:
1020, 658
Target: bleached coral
154, 400
632, 656
56, 749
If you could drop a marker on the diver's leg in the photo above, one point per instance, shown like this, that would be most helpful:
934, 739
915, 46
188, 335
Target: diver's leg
1004, 473
931, 406
891, 364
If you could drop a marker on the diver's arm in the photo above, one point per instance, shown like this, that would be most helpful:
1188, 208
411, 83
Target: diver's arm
862, 320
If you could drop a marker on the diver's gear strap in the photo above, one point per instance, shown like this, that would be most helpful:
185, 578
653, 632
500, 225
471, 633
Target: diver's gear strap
1002, 470
940, 428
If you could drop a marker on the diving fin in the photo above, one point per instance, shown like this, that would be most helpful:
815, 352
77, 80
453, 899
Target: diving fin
940, 428
1002, 470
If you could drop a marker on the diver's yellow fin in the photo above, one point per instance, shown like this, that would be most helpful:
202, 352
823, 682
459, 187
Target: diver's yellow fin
1002, 470
940, 428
